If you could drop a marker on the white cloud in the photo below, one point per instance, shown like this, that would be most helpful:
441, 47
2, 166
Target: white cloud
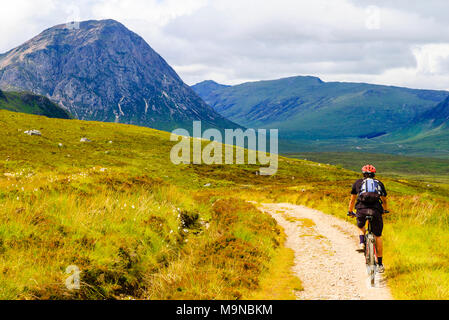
153, 12
400, 42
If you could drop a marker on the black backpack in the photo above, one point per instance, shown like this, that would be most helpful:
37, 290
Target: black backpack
370, 192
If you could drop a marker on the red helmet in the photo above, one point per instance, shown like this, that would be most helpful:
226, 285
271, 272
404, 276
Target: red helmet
368, 169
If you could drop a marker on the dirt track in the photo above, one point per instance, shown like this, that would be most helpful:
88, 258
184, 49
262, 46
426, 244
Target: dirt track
326, 259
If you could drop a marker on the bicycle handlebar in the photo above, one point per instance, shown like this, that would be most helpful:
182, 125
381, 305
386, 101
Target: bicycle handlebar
351, 214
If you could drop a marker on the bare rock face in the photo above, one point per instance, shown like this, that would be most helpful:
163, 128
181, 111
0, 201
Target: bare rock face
105, 72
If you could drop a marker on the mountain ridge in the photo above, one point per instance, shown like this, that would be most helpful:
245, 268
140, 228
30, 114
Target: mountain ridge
105, 72
305, 107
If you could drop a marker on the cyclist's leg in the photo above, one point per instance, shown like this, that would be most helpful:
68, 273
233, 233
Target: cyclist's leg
361, 222
362, 231
379, 246
378, 226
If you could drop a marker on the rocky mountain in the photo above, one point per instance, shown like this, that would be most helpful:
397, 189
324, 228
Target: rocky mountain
26, 102
309, 108
103, 71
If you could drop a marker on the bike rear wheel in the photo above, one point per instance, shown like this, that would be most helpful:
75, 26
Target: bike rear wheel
370, 258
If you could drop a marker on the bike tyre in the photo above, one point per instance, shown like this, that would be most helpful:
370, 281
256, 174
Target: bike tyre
370, 259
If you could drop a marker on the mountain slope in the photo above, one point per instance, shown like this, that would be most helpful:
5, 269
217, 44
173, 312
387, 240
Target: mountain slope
26, 102
103, 71
439, 115
427, 134
308, 108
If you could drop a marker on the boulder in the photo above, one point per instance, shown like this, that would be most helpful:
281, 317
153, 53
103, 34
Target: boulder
33, 132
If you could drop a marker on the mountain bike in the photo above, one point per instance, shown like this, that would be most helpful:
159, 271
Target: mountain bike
370, 248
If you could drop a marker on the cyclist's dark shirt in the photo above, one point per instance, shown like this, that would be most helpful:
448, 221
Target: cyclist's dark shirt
356, 188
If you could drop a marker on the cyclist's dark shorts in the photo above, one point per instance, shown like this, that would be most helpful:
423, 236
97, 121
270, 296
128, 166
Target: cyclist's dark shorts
377, 224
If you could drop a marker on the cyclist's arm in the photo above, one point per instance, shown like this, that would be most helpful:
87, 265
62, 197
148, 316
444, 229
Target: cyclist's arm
352, 202
384, 203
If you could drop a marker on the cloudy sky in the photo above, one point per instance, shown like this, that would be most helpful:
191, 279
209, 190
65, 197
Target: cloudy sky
397, 42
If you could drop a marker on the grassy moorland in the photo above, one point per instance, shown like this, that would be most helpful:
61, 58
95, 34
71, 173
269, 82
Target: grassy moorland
395, 166
134, 224
138, 226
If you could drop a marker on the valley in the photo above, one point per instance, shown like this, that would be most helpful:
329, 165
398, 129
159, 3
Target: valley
314, 115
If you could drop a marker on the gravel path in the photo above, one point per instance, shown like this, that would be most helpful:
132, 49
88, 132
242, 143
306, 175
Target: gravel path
326, 259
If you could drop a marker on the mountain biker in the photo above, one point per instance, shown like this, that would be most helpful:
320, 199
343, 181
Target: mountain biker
372, 203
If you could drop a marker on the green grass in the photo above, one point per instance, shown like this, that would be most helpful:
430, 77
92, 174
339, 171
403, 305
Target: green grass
278, 283
135, 225
140, 227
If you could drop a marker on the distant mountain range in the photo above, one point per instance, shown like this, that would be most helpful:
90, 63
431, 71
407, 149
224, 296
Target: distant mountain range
26, 102
306, 107
103, 71
334, 115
